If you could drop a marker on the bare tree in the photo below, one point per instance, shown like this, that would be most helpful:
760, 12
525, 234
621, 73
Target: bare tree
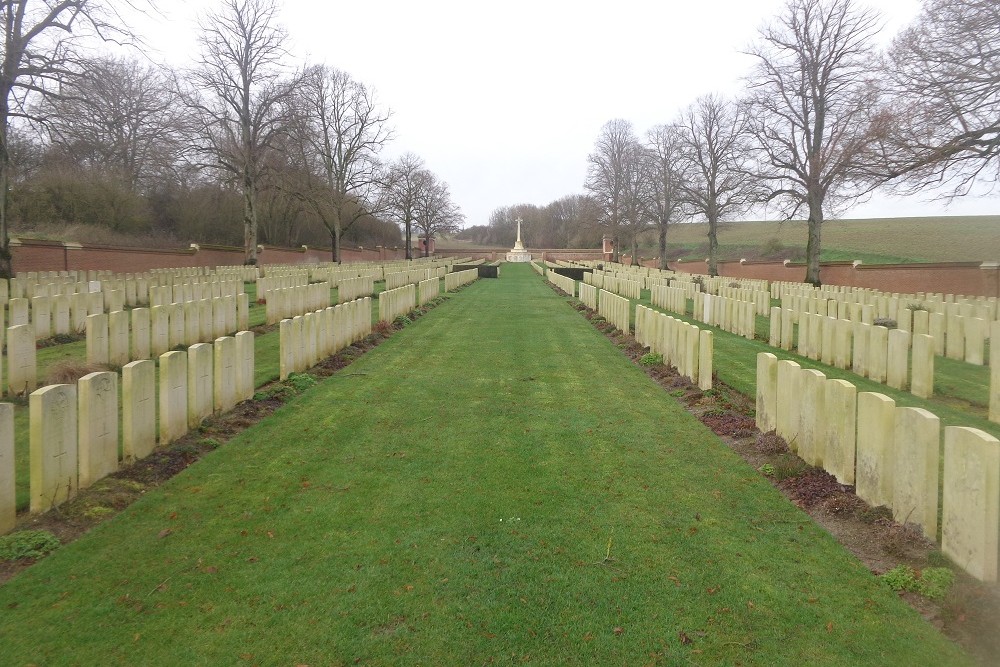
612, 180
346, 129
714, 161
40, 53
119, 116
240, 97
405, 180
809, 100
941, 123
664, 179
437, 213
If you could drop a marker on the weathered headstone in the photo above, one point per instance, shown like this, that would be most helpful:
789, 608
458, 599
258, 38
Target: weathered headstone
118, 338
812, 417
245, 361
767, 391
226, 370
200, 383
922, 382
98, 414
971, 504
788, 406
706, 348
841, 430
898, 359
53, 446
8, 497
138, 409
878, 353
173, 395
22, 372
916, 457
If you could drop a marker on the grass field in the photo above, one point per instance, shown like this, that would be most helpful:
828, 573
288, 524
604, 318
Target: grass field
877, 240
520, 494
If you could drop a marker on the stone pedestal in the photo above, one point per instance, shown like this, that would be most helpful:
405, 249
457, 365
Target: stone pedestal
519, 256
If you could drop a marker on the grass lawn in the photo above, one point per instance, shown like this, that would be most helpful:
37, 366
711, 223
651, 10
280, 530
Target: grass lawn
496, 483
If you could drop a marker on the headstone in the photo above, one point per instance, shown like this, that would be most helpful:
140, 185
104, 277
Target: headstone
841, 429
937, 332
177, 327
975, 339
767, 391
859, 352
922, 382
173, 395
995, 371
97, 339
226, 370
787, 328
242, 311
915, 469
898, 359
192, 323
159, 330
245, 361
787, 420
812, 417
53, 448
200, 383
98, 413
971, 503
706, 347
140, 333
921, 322
955, 337
18, 310
22, 372
61, 322
878, 352
138, 409
828, 336
8, 497
206, 320
118, 338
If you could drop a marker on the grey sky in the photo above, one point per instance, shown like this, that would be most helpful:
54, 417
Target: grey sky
504, 100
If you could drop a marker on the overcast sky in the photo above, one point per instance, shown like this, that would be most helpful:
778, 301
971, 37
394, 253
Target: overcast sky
505, 100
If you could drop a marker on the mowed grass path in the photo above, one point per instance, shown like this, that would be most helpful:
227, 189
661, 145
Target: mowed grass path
495, 483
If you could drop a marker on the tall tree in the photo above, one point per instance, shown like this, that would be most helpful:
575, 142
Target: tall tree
437, 213
809, 100
611, 181
664, 178
714, 159
240, 96
346, 129
40, 52
405, 181
121, 117
941, 122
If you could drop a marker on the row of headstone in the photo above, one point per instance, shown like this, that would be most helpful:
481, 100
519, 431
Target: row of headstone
400, 278
350, 289
669, 298
892, 455
396, 302
540, 270
291, 301
142, 333
456, 279
630, 289
565, 283
760, 297
265, 284
684, 346
304, 340
588, 295
74, 429
166, 295
428, 289
729, 314
893, 357
614, 309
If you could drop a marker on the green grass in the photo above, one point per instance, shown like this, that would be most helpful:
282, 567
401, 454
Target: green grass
494, 484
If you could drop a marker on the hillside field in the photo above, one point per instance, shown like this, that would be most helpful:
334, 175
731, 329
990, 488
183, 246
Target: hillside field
876, 240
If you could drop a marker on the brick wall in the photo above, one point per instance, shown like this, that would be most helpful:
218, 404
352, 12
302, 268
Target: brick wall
39, 255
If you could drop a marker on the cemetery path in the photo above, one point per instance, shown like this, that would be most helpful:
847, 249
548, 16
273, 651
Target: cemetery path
495, 483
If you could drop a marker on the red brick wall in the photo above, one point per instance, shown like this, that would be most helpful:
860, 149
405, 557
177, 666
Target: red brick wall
36, 255
969, 278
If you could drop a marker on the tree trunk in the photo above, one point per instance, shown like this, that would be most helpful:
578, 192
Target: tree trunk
249, 220
427, 245
813, 242
336, 241
713, 245
333, 247
663, 247
615, 255
6, 261
635, 250
409, 240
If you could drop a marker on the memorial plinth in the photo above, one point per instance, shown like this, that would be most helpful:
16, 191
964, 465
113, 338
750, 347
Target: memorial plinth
518, 253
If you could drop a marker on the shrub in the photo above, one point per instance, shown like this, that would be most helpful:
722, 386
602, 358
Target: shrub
27, 544
886, 322
767, 469
651, 359
933, 582
300, 381
69, 371
913, 307
735, 284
